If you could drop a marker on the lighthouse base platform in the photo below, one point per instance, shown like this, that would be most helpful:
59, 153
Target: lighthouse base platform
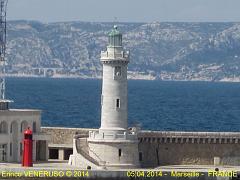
105, 150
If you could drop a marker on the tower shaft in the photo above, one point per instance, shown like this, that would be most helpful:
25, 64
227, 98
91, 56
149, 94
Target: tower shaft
114, 100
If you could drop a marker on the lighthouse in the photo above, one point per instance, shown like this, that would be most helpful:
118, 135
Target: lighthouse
114, 101
113, 145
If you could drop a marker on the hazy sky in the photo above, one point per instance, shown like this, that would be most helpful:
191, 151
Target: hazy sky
124, 10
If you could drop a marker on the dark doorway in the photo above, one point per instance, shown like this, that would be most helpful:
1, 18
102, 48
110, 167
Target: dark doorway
53, 153
41, 147
67, 153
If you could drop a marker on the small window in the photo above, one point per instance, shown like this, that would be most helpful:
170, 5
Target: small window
34, 127
24, 125
11, 128
21, 149
10, 149
117, 71
3, 127
118, 103
119, 152
140, 156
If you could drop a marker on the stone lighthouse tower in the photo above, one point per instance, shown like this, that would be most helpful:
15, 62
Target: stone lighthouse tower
114, 85
113, 145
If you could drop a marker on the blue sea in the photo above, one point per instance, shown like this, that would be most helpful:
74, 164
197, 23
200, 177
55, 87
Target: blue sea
155, 105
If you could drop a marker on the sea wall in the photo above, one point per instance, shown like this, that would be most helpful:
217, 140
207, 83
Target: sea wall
159, 148
189, 148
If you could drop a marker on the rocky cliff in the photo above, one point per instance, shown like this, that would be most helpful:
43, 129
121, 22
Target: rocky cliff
164, 51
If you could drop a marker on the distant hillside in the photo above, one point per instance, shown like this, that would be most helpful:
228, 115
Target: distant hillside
167, 51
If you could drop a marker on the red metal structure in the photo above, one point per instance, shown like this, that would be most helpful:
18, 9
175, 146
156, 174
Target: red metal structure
27, 148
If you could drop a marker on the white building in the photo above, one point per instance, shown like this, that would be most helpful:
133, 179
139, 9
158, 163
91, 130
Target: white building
113, 145
13, 122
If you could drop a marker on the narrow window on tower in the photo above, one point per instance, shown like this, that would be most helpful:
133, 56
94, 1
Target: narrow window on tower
140, 156
118, 103
119, 152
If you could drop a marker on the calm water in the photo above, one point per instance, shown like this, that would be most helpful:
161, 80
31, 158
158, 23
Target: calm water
190, 106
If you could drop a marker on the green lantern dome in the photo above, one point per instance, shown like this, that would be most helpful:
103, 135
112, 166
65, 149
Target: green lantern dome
114, 37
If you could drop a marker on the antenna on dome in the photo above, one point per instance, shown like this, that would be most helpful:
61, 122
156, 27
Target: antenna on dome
115, 21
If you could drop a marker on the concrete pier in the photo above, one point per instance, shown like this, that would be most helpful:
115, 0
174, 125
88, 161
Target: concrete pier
60, 169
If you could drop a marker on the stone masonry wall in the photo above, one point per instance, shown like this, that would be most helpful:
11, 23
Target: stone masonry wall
157, 154
61, 135
169, 148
